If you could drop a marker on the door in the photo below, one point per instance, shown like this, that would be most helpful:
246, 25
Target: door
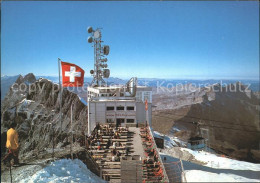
119, 121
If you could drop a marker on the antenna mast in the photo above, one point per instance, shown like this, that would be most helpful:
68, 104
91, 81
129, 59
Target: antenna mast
100, 51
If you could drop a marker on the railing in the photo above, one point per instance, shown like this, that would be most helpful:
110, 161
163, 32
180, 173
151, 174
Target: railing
164, 171
93, 161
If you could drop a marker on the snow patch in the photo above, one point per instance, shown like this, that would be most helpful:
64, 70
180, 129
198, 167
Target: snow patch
169, 141
83, 101
64, 170
203, 176
26, 102
214, 161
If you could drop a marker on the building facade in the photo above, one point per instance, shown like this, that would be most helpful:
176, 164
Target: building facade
114, 104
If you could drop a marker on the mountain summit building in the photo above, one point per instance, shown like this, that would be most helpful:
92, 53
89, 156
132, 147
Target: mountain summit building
119, 105
122, 105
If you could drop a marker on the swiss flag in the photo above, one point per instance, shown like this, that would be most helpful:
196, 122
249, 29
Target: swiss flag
72, 75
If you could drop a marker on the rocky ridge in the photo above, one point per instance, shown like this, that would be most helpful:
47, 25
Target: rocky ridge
35, 106
229, 116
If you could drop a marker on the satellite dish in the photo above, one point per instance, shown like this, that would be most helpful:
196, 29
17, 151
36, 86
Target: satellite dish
104, 65
90, 29
106, 73
104, 60
106, 49
97, 34
90, 39
91, 72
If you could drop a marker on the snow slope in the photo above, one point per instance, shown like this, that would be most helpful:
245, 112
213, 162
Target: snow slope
214, 161
203, 176
169, 141
214, 168
64, 170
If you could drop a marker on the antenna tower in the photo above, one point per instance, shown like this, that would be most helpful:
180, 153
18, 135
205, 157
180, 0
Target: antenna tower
100, 66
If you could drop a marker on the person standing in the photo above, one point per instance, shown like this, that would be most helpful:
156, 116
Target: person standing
12, 144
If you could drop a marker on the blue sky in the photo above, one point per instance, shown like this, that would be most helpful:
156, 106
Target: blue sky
199, 40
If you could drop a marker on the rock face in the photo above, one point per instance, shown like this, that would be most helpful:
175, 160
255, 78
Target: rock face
6, 82
34, 106
229, 117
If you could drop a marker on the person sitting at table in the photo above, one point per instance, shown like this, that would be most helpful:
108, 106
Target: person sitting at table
114, 144
151, 153
114, 152
101, 139
98, 126
119, 144
113, 158
155, 158
92, 142
116, 136
108, 144
98, 143
149, 160
99, 147
118, 154
127, 149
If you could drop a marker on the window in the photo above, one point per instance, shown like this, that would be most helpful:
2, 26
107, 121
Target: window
130, 120
130, 108
110, 121
110, 108
147, 96
139, 96
120, 108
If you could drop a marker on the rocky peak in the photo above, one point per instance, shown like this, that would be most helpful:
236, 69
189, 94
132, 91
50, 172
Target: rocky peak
19, 80
30, 78
27, 79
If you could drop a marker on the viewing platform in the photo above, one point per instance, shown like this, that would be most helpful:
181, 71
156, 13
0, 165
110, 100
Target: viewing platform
126, 154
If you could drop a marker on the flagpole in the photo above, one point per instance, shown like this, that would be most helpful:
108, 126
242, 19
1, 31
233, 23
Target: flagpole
71, 142
60, 96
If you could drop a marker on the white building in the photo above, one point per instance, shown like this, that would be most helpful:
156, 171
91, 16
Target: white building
120, 105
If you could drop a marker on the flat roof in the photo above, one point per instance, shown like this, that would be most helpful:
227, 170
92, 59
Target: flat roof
112, 100
113, 87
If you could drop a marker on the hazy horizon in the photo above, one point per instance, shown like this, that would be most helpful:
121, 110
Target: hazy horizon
125, 78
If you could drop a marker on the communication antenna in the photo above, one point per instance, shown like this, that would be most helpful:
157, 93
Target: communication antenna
100, 66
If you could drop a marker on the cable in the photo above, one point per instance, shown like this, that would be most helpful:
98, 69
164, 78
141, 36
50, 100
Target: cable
206, 119
207, 125
210, 125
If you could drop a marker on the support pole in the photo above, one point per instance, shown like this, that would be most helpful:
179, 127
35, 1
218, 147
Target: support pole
11, 171
146, 114
71, 133
59, 60
52, 141
183, 173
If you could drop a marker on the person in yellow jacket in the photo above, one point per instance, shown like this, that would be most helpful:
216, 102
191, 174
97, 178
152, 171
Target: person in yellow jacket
12, 143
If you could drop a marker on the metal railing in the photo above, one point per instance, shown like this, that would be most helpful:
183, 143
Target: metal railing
159, 157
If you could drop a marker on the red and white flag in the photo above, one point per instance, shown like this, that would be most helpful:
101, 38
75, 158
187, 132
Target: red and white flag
146, 105
72, 75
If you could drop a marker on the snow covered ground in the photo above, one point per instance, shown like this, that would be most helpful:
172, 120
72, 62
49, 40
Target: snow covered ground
203, 176
64, 170
214, 168
169, 141
214, 161
217, 169
83, 101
